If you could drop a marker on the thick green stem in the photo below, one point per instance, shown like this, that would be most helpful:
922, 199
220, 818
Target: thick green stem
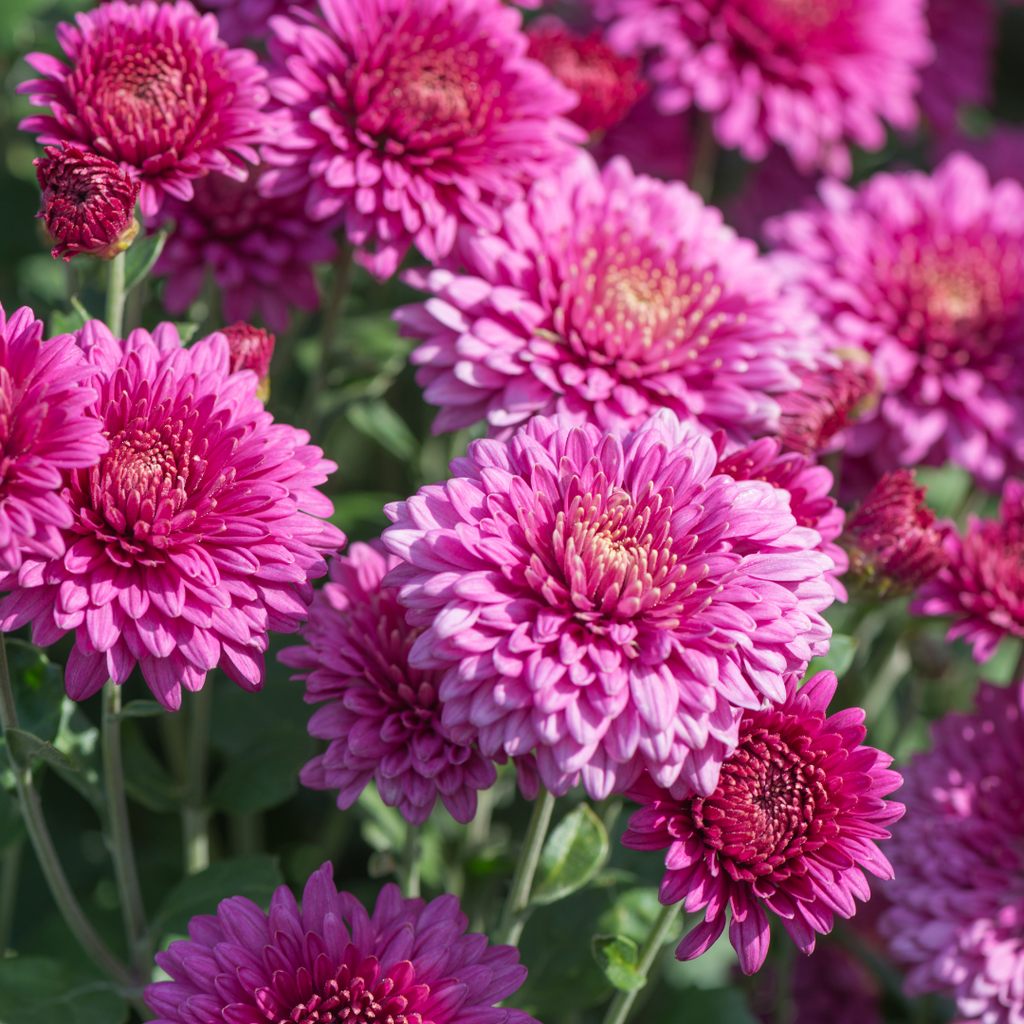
620, 1006
411, 862
517, 903
115, 294
10, 872
195, 815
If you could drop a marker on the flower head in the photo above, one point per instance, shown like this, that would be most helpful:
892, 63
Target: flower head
808, 75
250, 348
958, 862
46, 429
606, 297
151, 87
243, 20
411, 117
191, 537
585, 597
330, 962
88, 203
383, 719
790, 826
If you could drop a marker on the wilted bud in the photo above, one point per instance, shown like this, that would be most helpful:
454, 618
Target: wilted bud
88, 203
251, 349
827, 401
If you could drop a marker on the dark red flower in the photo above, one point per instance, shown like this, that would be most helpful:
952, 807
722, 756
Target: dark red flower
826, 402
251, 348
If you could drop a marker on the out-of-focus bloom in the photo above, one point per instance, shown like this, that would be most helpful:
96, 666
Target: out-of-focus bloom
411, 961
772, 187
191, 537
790, 827
831, 986
242, 20
45, 430
606, 297
151, 87
88, 203
258, 249
411, 117
654, 143
927, 274
383, 719
958, 861
583, 597
250, 348
893, 541
1000, 151
808, 76
982, 587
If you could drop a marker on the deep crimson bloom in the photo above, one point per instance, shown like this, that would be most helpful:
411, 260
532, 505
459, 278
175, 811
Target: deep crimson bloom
151, 87
958, 860
383, 719
411, 117
411, 962
45, 430
259, 250
790, 826
607, 296
191, 537
249, 348
609, 603
807, 75
983, 585
88, 203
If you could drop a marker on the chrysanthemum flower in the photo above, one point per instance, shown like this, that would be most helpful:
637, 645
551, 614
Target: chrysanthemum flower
790, 826
191, 537
151, 87
606, 297
243, 20
808, 76
771, 187
832, 986
46, 429
584, 598
383, 719
958, 861
411, 117
927, 274
251, 348
259, 251
88, 203
661, 145
410, 962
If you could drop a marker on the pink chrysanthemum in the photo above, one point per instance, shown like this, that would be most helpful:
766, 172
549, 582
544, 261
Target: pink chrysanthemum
790, 826
242, 20
152, 87
958, 861
927, 274
45, 430
584, 596
258, 249
383, 718
190, 538
411, 117
410, 963
808, 75
606, 297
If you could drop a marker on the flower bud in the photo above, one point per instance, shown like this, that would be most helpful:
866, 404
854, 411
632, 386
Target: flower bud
827, 401
251, 349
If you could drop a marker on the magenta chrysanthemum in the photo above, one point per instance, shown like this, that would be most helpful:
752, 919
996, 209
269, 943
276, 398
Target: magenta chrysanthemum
958, 861
410, 963
190, 538
242, 20
45, 430
790, 827
927, 274
808, 75
151, 87
606, 297
383, 719
584, 596
259, 250
411, 117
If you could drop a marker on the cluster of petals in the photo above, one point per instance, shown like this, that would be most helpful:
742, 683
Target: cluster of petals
383, 716
958, 861
244, 21
409, 118
793, 822
607, 296
190, 538
585, 598
808, 75
409, 962
926, 273
153, 88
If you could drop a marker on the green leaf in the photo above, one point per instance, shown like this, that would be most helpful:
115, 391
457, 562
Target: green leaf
617, 956
948, 487
36, 990
362, 511
38, 688
11, 826
64, 323
841, 652
140, 258
146, 780
186, 330
23, 746
142, 709
574, 852
376, 419
264, 775
697, 1006
633, 913
384, 828
78, 738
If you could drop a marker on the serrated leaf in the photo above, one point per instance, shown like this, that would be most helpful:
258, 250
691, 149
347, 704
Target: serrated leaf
37, 990
573, 854
23, 746
618, 956
264, 775
38, 688
841, 652
142, 709
376, 419
141, 256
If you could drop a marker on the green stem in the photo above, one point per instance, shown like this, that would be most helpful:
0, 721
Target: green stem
517, 903
10, 872
115, 294
411, 862
195, 816
705, 159
620, 1006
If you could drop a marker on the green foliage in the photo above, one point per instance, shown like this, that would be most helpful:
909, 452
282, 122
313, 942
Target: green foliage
574, 853
35, 990
618, 957
841, 652
264, 774
24, 746
140, 257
